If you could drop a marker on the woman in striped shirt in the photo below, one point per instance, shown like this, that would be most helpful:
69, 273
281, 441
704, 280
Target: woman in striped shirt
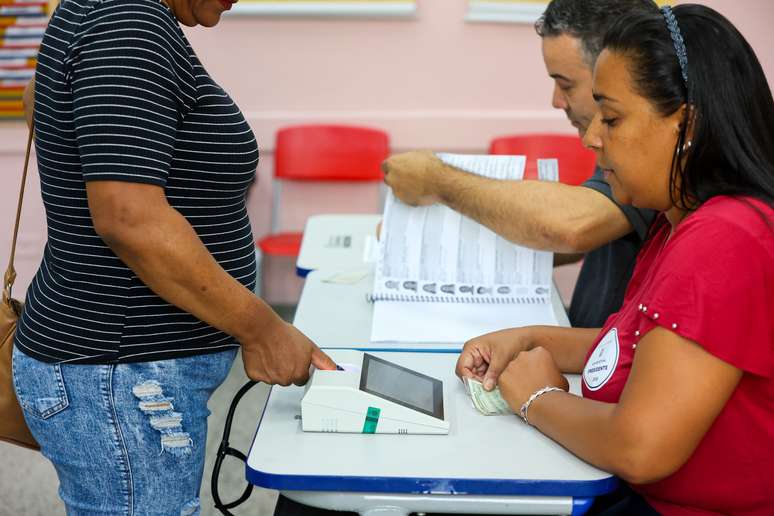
144, 293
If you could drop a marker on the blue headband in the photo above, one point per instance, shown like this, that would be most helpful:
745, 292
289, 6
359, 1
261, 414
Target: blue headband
677, 39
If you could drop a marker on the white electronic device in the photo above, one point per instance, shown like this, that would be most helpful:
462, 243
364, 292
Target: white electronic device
371, 395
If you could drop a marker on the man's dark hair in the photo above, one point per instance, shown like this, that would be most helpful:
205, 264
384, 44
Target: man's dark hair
587, 20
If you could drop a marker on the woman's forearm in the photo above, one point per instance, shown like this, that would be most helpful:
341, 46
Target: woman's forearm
587, 428
568, 346
672, 397
165, 252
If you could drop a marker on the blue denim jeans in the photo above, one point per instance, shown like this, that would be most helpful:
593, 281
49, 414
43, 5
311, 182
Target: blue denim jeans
125, 439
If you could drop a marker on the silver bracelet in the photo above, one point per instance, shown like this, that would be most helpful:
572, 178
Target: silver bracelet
535, 395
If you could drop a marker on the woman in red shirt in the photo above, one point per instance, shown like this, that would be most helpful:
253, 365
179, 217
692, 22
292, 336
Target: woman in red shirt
678, 386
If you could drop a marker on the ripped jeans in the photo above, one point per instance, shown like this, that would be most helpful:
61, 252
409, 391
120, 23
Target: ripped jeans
125, 439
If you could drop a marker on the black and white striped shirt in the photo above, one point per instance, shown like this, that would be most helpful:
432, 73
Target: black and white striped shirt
120, 95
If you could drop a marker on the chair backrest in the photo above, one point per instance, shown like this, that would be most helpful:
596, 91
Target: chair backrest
576, 163
330, 153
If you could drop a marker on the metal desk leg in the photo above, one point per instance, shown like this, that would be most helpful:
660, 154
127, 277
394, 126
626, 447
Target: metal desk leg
393, 504
581, 506
361, 503
385, 511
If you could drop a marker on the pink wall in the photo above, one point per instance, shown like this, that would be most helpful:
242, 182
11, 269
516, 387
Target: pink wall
433, 81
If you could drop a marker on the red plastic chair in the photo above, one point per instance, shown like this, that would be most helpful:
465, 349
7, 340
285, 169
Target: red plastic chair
321, 153
576, 163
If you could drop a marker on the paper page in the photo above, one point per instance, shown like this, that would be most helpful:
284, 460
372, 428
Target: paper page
548, 169
452, 323
370, 249
438, 254
494, 167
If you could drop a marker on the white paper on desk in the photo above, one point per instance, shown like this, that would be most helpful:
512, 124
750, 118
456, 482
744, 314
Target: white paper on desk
452, 323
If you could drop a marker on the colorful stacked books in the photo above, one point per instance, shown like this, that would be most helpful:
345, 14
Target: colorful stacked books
22, 23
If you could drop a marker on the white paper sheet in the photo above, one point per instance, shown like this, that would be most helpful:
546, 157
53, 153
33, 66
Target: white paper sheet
452, 323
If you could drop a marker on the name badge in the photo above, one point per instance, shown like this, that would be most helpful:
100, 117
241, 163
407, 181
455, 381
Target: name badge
602, 362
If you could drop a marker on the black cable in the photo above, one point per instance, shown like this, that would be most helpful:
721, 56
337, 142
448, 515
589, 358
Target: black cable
223, 450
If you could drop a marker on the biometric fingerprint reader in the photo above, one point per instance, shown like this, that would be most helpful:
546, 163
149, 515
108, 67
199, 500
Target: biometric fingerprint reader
370, 395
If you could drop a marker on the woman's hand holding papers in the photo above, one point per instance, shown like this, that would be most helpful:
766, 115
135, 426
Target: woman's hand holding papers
514, 361
486, 357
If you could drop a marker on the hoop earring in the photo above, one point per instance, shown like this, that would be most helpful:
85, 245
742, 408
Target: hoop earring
686, 146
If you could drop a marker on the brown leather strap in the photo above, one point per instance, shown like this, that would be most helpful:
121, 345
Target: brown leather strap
10, 273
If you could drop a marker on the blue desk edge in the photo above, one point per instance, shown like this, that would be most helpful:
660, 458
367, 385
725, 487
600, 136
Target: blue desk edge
445, 486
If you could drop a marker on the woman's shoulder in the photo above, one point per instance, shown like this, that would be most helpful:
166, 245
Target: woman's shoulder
115, 8
713, 282
146, 18
731, 221
124, 7
140, 31
736, 206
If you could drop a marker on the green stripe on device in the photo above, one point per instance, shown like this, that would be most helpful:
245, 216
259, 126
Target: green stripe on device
371, 420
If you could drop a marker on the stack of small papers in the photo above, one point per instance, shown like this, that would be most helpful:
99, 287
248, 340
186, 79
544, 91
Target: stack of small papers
489, 403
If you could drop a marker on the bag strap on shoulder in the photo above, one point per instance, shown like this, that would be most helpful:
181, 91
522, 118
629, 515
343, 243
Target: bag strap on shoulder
10, 273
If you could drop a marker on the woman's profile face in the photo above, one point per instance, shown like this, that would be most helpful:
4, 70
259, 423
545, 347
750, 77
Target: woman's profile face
199, 12
634, 143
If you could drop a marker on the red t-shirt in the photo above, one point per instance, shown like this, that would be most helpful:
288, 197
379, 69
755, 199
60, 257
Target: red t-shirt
711, 283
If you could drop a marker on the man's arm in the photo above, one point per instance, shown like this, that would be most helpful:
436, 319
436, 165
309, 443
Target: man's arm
541, 215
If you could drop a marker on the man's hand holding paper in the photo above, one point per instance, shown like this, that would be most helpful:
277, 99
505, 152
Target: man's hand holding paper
413, 177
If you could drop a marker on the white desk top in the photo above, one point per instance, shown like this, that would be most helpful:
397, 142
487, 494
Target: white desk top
336, 241
481, 455
339, 316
